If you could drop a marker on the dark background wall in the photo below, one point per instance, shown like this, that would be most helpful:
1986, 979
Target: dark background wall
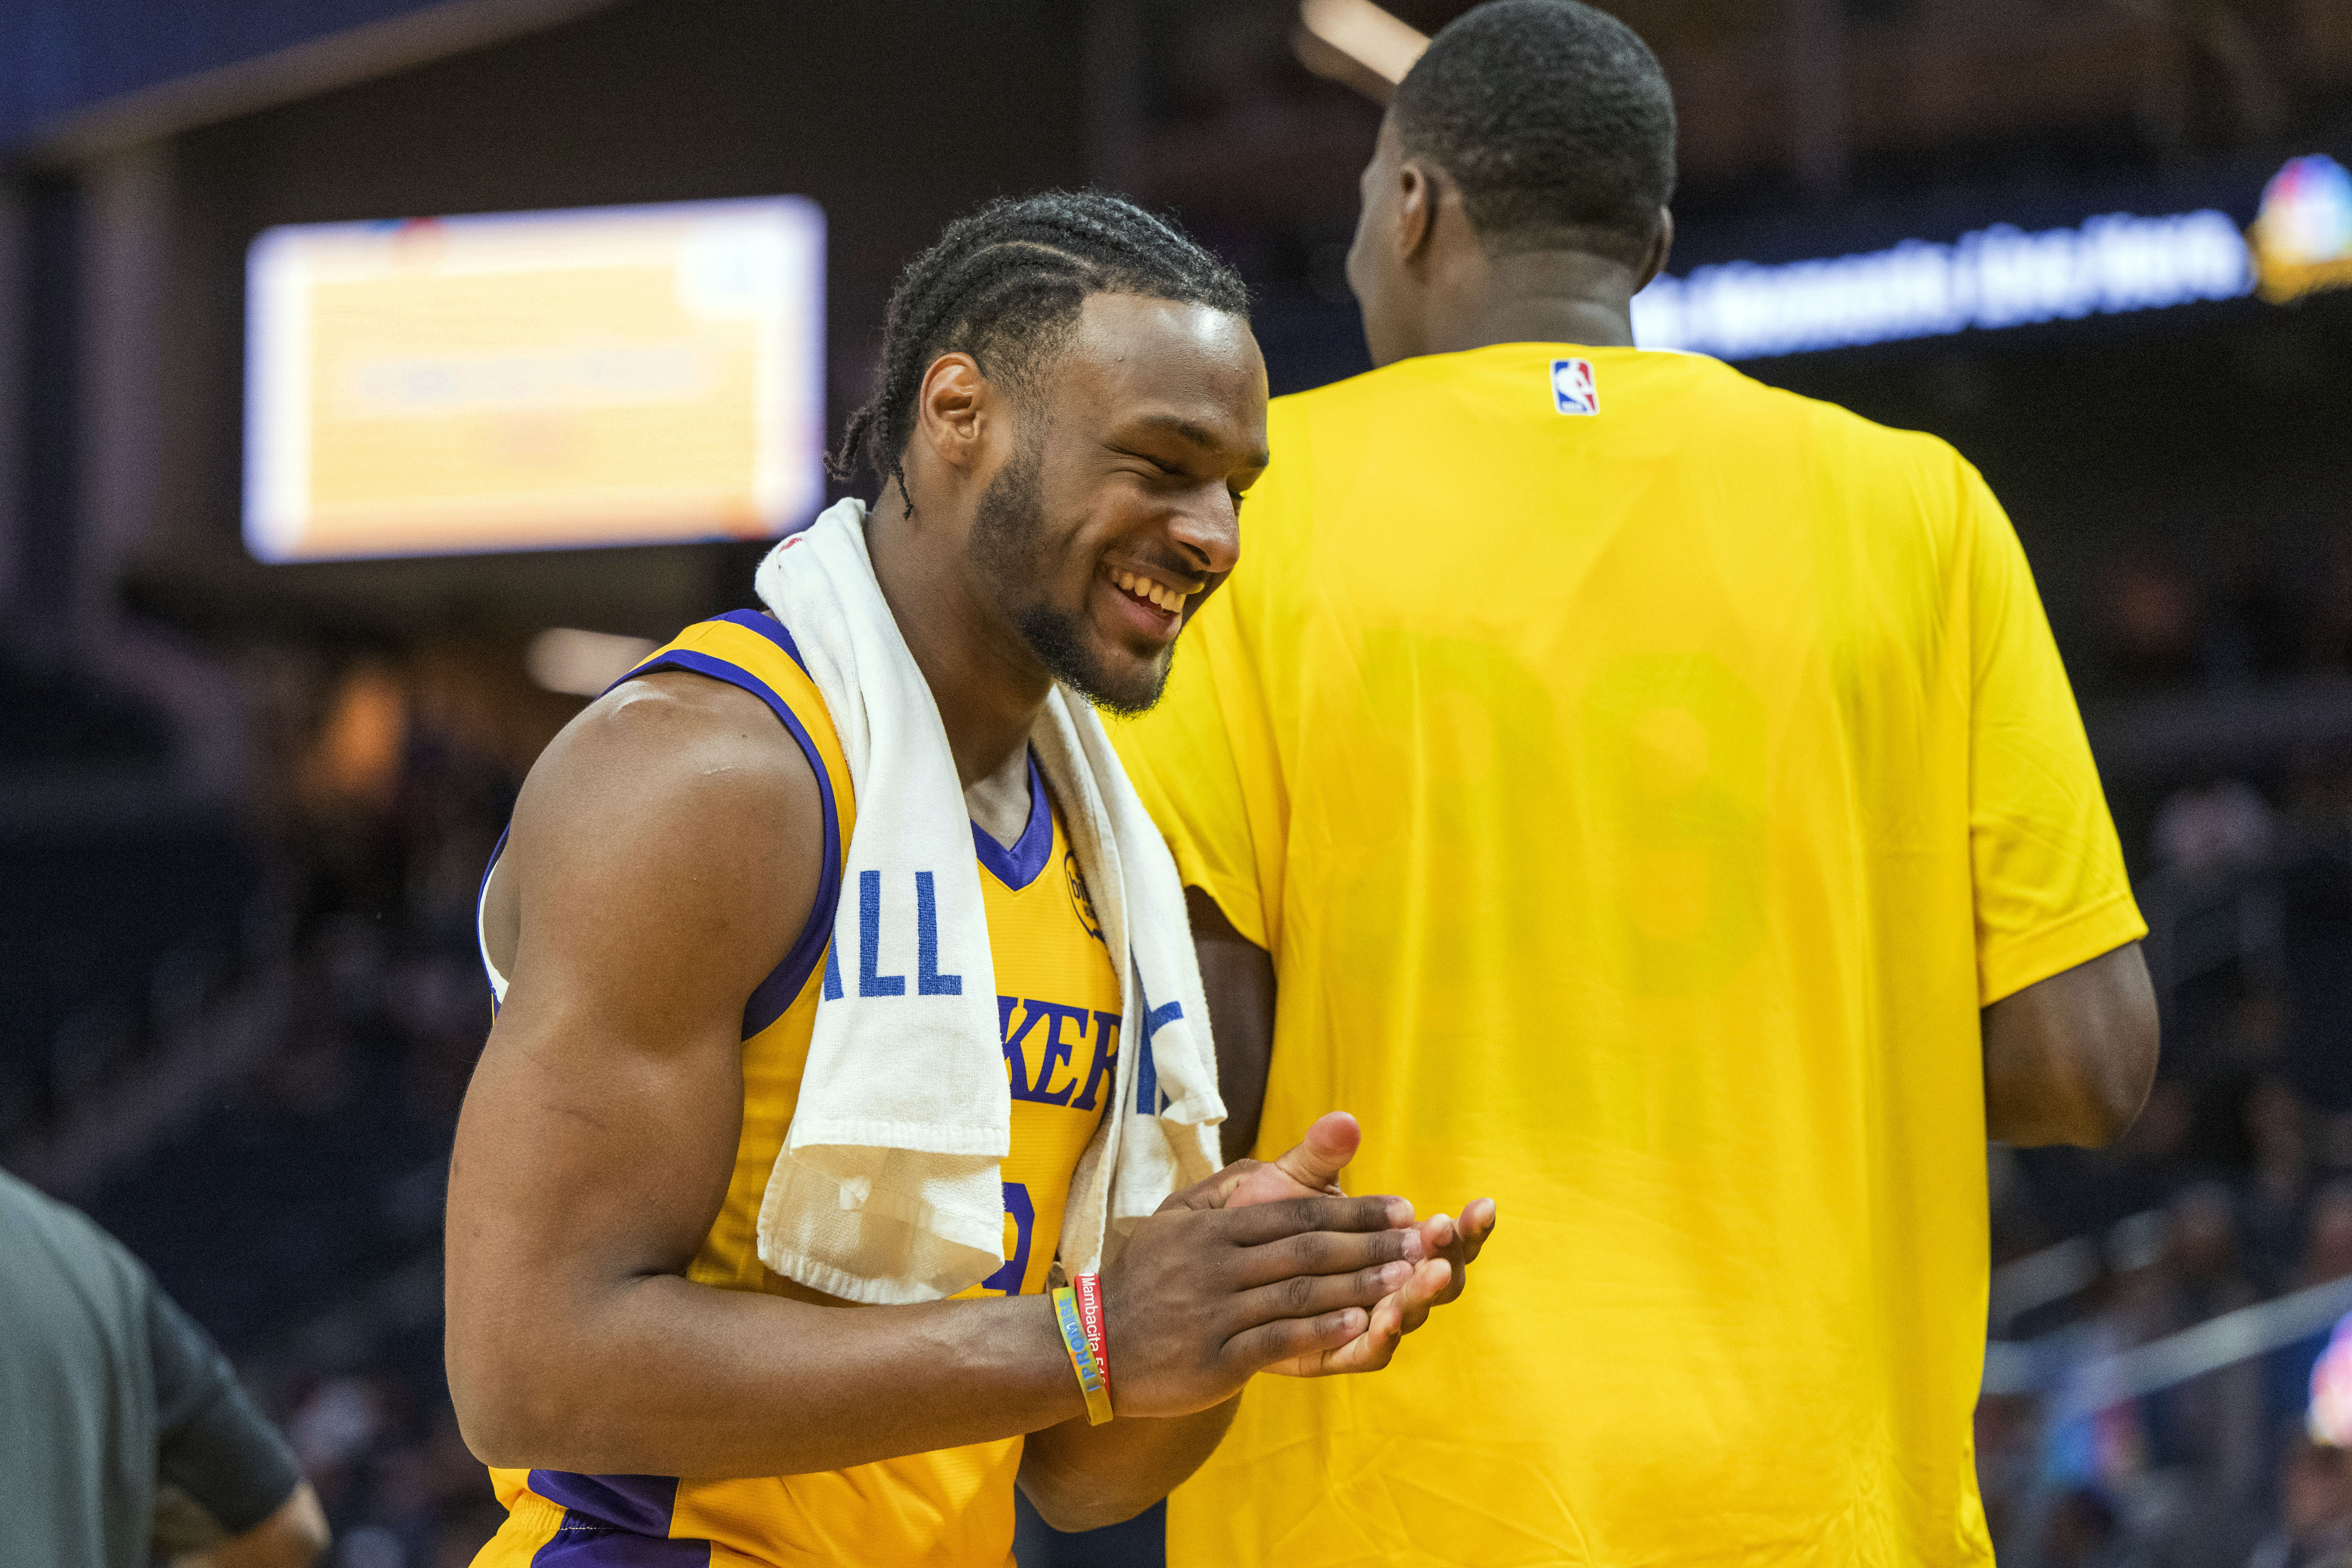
894, 117
58, 57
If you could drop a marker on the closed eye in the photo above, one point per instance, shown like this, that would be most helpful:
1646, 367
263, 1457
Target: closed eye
1165, 468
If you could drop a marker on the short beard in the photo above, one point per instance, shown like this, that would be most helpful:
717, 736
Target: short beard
1006, 532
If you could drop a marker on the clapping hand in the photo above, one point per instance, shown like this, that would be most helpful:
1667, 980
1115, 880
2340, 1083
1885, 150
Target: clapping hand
1312, 1167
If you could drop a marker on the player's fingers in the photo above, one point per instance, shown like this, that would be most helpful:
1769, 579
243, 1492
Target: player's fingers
1262, 1223
1471, 1234
1428, 1285
1311, 1294
1320, 1252
1315, 1160
1442, 1238
1371, 1349
1288, 1339
1477, 1223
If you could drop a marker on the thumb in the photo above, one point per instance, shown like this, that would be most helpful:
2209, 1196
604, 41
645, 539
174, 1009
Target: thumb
1317, 1160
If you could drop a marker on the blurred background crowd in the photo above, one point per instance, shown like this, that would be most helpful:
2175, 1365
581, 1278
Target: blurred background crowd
245, 807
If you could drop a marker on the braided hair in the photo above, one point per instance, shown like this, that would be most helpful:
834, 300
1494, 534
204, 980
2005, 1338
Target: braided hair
1004, 285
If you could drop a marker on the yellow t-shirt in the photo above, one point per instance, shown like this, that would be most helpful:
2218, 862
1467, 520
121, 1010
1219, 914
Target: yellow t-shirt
1057, 1002
1642, 777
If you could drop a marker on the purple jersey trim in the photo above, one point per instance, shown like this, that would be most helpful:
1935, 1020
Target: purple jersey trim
594, 1546
639, 1503
768, 627
1018, 866
613, 1522
783, 983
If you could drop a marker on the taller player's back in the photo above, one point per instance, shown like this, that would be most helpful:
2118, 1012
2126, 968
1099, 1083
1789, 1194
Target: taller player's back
1624, 763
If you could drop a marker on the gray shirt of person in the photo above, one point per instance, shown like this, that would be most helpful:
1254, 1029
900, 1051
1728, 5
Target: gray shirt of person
109, 1395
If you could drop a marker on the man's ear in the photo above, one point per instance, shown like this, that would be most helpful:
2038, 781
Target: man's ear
1661, 246
1420, 188
950, 410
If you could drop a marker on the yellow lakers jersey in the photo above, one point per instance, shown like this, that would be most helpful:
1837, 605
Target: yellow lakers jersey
1058, 1005
1641, 777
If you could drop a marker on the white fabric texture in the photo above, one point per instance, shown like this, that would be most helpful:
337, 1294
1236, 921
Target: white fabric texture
888, 1186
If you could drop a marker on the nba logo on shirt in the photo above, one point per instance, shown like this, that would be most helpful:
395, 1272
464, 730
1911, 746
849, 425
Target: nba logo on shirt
1572, 391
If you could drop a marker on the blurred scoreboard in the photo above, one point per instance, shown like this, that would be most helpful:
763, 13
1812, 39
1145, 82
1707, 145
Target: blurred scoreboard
534, 381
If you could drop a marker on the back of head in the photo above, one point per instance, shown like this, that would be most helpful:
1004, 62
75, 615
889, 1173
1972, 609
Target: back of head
1555, 121
1004, 285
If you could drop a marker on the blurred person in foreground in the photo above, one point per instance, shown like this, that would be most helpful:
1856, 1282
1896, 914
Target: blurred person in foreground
1654, 800
2083, 1531
2213, 1423
123, 1434
2314, 1510
2328, 1237
710, 1119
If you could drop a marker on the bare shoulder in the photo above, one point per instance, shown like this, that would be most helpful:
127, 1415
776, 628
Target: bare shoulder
675, 819
677, 749
668, 733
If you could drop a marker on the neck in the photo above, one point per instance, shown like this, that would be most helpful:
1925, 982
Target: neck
1535, 297
990, 688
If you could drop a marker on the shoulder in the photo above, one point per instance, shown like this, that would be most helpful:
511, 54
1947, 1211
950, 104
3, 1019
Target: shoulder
665, 849
1316, 437
64, 1263
30, 1216
676, 769
1347, 400
1832, 428
673, 733
1891, 483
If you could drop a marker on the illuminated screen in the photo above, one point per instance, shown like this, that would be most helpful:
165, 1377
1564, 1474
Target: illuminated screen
534, 381
1997, 277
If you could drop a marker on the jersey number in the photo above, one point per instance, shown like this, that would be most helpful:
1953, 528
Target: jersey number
1023, 1216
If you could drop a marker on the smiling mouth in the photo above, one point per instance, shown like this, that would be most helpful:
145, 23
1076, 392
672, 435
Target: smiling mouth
1158, 595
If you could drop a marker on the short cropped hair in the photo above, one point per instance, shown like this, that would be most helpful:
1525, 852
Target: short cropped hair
1555, 121
1005, 285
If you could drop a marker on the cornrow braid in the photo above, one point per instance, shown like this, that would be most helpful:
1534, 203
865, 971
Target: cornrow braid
1004, 285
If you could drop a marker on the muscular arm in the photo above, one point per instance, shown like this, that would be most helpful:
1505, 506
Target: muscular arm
664, 854
2070, 1059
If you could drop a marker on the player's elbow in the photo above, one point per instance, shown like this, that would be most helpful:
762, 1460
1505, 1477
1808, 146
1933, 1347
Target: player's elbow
513, 1412
2118, 1089
521, 1428
2070, 1061
2114, 1066
2088, 1094
2094, 1112
496, 1422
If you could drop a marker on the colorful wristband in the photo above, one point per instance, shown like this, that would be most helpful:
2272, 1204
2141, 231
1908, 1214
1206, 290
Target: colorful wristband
1082, 1356
1090, 1318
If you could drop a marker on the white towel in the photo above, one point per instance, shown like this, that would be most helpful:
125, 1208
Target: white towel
889, 1188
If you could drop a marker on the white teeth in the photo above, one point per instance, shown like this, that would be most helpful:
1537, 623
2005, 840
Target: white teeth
1166, 598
